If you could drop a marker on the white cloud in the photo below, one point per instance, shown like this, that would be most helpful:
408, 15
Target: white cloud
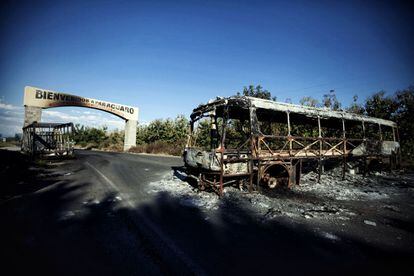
7, 106
11, 119
92, 119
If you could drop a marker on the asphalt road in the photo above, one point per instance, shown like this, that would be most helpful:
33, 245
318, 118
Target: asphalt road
93, 215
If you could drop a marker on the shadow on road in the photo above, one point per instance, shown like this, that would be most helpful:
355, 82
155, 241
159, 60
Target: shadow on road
41, 233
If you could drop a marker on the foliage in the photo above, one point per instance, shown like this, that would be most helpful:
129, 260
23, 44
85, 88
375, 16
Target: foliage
398, 107
355, 107
159, 147
162, 136
403, 116
309, 101
381, 106
203, 137
257, 92
84, 135
92, 137
166, 130
330, 101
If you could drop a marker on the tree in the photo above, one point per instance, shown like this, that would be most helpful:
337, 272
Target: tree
403, 116
84, 135
381, 106
141, 134
309, 101
355, 106
173, 132
330, 101
181, 126
257, 92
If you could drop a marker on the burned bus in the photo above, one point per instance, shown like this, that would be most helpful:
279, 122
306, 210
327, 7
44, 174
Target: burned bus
257, 143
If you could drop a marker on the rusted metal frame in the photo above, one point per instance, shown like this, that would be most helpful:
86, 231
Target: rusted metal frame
315, 153
201, 182
399, 150
244, 143
332, 148
251, 165
300, 171
267, 146
189, 137
364, 141
363, 129
266, 136
276, 137
259, 174
234, 175
259, 146
320, 149
194, 138
194, 134
255, 157
349, 143
217, 185
207, 183
393, 134
284, 145
333, 138
254, 148
294, 139
344, 149
307, 147
380, 131
289, 133
236, 160
290, 172
222, 149
213, 127
213, 185
297, 142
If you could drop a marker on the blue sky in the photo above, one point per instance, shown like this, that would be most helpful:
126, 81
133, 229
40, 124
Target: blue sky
167, 57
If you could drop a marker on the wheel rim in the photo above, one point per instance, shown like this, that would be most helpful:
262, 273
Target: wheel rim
272, 182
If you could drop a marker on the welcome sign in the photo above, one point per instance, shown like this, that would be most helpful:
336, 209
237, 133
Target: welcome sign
46, 98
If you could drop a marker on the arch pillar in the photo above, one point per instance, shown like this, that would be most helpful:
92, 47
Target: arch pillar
32, 114
130, 139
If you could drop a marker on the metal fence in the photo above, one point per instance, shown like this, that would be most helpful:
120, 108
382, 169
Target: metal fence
48, 139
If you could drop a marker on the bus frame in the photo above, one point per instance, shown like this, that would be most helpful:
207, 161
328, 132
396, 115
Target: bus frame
274, 159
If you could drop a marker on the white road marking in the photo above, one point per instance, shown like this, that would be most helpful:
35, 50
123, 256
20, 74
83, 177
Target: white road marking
148, 223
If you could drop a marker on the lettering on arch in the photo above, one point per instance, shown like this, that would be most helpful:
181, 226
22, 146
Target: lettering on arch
43, 98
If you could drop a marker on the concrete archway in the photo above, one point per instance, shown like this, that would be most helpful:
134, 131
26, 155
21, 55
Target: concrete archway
36, 99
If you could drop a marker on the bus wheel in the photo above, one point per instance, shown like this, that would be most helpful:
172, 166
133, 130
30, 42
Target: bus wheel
272, 182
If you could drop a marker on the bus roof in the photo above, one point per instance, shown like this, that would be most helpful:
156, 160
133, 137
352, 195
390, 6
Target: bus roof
246, 102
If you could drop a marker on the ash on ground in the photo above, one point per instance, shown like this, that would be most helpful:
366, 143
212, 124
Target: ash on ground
332, 199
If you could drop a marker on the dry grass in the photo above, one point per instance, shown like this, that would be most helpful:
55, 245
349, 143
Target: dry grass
159, 147
114, 147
